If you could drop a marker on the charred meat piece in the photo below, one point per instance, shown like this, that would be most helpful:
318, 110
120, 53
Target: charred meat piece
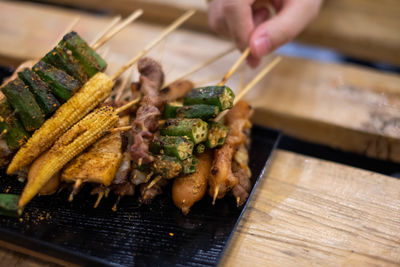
222, 179
176, 90
148, 194
148, 113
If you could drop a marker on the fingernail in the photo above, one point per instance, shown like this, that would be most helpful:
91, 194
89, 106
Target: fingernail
261, 46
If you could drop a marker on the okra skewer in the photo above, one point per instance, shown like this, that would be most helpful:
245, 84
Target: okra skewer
10, 126
175, 146
194, 129
217, 133
252, 83
24, 103
9, 205
201, 111
45, 99
89, 96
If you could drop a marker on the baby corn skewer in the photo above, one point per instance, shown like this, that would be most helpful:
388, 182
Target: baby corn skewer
88, 97
99, 163
97, 89
73, 142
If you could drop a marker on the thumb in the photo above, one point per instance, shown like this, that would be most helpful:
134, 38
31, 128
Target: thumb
290, 21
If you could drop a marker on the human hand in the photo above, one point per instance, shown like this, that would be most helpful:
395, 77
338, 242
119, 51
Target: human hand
249, 23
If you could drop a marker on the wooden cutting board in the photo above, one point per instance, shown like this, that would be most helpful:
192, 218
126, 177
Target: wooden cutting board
306, 211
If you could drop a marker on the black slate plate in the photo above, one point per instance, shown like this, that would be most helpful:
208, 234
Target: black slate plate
135, 235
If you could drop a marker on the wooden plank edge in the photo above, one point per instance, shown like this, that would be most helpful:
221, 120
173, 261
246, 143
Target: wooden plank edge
336, 136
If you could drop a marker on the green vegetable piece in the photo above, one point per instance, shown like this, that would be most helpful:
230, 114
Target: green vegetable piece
61, 58
45, 99
90, 60
15, 134
170, 109
176, 146
9, 205
217, 133
200, 148
24, 104
194, 129
166, 166
61, 84
189, 165
220, 96
204, 112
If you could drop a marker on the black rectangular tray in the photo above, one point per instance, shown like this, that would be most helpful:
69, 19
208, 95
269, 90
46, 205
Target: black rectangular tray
134, 235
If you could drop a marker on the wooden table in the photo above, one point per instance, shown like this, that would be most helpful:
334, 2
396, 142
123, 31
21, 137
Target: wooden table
306, 211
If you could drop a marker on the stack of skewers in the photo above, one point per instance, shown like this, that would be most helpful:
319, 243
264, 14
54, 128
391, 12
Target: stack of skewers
57, 128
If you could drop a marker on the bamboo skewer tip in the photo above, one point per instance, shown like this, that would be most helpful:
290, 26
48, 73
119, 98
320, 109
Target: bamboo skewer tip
251, 84
127, 105
106, 30
173, 26
235, 66
136, 14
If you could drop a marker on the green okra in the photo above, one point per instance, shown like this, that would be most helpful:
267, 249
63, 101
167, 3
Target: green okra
217, 133
24, 104
201, 111
90, 60
170, 109
166, 166
61, 58
42, 93
194, 129
220, 96
10, 127
200, 148
189, 165
61, 84
176, 146
9, 205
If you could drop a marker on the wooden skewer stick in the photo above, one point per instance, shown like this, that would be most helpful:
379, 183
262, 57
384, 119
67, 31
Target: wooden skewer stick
249, 86
237, 201
235, 66
256, 79
127, 105
75, 189
109, 26
118, 28
114, 208
68, 29
121, 89
154, 181
121, 129
216, 191
99, 197
202, 65
163, 35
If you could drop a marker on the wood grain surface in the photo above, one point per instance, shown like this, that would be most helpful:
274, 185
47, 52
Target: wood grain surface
348, 107
365, 29
310, 212
306, 211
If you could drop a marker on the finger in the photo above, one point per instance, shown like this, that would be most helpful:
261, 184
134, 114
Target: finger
253, 62
260, 15
239, 19
216, 18
282, 28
